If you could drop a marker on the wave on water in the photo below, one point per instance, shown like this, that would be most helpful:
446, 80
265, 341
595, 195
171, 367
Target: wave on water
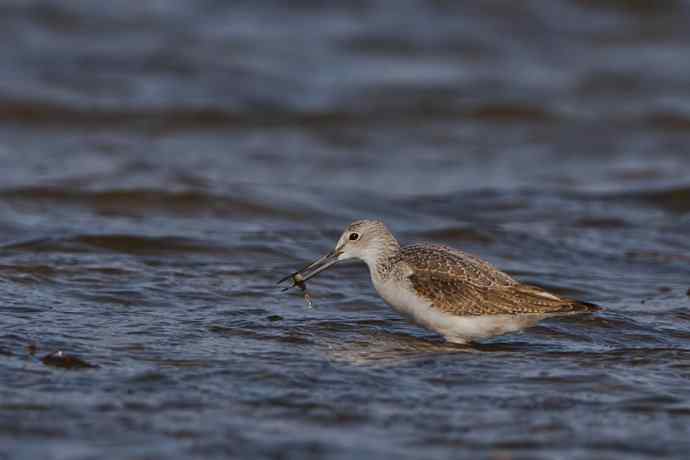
142, 202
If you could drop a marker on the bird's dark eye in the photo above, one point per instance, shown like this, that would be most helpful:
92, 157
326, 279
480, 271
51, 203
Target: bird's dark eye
354, 236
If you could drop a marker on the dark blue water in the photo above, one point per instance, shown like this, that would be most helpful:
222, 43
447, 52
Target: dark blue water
163, 164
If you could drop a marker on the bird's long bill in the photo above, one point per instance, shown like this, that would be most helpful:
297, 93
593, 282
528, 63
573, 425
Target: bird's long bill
312, 269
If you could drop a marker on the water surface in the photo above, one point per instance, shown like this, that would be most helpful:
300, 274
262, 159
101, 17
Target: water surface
162, 164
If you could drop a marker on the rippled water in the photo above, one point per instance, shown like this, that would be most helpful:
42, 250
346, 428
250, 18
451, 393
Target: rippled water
162, 164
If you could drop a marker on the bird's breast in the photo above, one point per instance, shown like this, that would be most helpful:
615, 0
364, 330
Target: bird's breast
402, 297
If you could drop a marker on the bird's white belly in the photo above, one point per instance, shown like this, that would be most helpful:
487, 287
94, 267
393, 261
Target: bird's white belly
457, 329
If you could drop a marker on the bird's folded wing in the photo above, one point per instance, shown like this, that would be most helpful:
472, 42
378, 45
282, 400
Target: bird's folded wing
459, 297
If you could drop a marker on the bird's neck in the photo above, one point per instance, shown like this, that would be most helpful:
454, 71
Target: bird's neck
382, 259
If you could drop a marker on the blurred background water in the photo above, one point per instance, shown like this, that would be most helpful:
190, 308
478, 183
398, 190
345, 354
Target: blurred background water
163, 163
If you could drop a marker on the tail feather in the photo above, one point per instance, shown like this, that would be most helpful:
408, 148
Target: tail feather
585, 307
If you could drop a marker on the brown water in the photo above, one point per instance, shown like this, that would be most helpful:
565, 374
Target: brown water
162, 164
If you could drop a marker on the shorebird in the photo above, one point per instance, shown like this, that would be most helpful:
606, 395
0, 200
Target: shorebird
453, 293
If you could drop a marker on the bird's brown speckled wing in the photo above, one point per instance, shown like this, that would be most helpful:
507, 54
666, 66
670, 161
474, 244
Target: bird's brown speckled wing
460, 284
453, 264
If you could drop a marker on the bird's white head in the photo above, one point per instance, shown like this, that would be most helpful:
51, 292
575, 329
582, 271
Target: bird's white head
366, 240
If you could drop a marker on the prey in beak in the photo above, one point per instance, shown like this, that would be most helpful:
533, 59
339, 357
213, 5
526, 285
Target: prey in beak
299, 277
